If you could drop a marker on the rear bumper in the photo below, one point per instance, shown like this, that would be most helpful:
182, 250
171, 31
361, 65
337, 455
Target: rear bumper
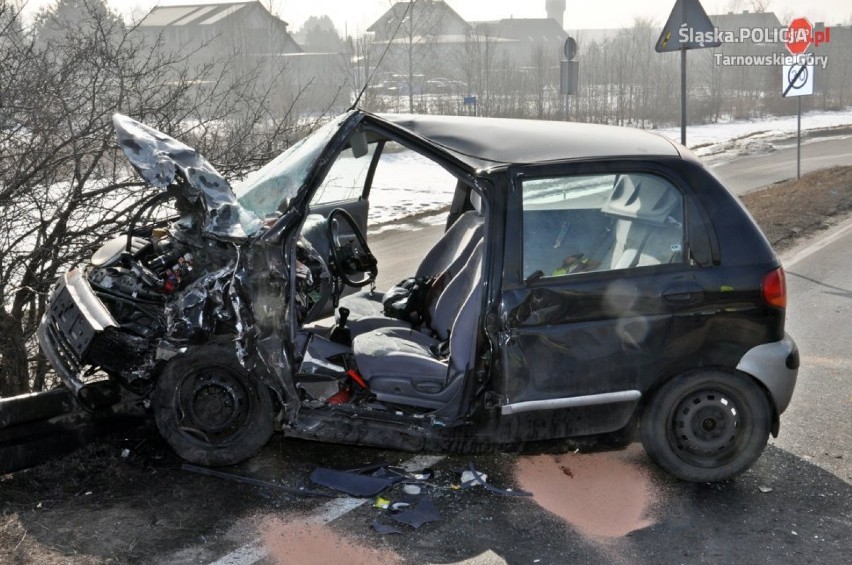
776, 365
73, 318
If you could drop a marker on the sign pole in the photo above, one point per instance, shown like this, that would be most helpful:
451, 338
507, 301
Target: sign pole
687, 15
683, 97
799, 139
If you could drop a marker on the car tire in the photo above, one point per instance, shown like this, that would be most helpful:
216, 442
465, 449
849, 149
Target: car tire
706, 426
210, 410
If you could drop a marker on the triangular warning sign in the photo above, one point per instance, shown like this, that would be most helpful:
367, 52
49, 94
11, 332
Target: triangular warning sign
688, 27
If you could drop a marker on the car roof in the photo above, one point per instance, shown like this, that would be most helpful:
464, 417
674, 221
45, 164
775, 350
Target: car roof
484, 143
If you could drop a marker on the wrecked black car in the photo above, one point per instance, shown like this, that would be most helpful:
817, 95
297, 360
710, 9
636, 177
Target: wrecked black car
591, 282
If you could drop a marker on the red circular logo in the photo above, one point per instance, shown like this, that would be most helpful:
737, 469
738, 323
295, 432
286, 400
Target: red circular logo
799, 35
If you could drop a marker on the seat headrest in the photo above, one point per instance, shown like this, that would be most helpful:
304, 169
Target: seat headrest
641, 197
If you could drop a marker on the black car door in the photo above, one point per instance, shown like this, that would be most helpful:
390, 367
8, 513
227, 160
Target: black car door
594, 268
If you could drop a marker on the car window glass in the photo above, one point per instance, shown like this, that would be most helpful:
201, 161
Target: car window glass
346, 177
264, 191
584, 223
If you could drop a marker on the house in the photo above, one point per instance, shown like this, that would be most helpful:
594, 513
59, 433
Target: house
245, 28
245, 41
532, 38
420, 18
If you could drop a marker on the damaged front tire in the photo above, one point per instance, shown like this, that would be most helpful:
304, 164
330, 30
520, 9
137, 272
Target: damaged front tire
210, 410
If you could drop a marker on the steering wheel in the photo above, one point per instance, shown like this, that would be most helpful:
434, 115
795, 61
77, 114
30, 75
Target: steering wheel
353, 257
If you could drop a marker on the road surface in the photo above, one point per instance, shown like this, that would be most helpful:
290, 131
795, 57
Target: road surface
756, 171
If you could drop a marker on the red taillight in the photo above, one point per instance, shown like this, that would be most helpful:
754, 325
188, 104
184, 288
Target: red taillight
774, 288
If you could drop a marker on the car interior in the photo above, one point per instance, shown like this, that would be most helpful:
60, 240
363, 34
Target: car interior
600, 222
411, 366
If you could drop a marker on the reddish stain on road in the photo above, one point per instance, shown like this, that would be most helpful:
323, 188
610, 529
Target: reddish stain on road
602, 495
296, 541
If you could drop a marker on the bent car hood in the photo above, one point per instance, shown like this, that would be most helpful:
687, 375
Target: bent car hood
159, 157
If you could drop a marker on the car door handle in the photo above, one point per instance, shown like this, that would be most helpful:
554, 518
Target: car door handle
684, 295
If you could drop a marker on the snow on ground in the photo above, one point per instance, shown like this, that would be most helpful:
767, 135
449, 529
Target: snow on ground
726, 140
406, 184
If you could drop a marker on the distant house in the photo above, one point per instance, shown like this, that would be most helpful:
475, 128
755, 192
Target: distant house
433, 18
531, 36
420, 41
249, 43
219, 30
736, 21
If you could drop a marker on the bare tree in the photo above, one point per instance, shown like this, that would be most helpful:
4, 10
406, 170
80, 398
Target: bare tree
63, 186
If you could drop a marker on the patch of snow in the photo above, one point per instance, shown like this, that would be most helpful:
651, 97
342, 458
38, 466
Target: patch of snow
726, 140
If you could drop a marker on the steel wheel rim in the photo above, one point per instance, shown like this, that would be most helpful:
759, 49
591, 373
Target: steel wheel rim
212, 406
706, 426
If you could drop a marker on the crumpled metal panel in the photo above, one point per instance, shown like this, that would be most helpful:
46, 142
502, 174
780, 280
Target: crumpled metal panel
159, 158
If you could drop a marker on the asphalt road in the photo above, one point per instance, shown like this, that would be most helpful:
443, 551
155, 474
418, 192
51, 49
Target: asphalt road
755, 171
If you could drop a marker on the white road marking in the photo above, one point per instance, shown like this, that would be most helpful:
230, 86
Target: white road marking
797, 255
328, 512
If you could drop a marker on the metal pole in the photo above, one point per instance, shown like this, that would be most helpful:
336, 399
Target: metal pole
683, 97
799, 139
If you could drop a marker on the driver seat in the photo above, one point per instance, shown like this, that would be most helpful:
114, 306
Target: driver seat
405, 366
448, 255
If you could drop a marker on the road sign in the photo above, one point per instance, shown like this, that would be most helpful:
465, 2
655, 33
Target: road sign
800, 33
469, 100
570, 48
688, 27
797, 80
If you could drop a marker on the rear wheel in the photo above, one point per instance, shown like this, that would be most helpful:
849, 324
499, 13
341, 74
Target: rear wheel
210, 410
707, 426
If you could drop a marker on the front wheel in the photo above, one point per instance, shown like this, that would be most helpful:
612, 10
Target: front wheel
210, 410
706, 426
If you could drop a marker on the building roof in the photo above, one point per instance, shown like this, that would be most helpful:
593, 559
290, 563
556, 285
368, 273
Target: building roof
195, 14
535, 30
735, 21
472, 140
439, 10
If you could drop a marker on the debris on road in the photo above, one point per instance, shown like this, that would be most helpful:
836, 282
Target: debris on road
472, 477
418, 514
250, 481
356, 484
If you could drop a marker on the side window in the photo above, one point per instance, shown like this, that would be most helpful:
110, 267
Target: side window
345, 180
583, 223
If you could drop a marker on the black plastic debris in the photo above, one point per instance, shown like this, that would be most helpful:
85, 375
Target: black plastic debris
415, 515
250, 481
384, 529
353, 484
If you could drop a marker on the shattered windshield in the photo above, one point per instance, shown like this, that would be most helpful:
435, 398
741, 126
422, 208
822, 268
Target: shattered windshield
267, 189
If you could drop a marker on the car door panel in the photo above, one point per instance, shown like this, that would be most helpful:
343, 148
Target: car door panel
600, 325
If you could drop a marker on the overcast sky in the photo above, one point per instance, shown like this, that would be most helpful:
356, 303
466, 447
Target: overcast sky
357, 15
